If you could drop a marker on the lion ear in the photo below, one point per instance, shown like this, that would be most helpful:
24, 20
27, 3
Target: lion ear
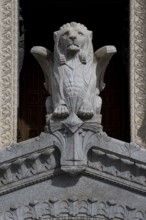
55, 34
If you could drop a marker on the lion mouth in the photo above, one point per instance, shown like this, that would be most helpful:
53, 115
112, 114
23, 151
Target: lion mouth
73, 47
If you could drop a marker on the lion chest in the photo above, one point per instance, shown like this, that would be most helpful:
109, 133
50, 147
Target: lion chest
73, 80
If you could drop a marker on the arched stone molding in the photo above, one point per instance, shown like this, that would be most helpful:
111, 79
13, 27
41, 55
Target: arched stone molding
9, 71
138, 71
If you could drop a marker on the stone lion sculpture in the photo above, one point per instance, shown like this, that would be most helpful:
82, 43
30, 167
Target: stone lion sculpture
73, 72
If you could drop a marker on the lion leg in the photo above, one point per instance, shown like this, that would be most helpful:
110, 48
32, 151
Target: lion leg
61, 112
85, 111
98, 104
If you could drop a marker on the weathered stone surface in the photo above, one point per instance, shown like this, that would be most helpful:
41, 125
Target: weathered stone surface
108, 181
74, 77
82, 196
73, 73
73, 170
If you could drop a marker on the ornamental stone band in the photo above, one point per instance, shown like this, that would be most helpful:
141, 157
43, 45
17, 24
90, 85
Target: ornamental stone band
8, 71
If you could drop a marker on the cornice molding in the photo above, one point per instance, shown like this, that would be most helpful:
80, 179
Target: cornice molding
39, 159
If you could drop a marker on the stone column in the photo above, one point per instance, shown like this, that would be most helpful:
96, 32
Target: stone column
138, 71
8, 71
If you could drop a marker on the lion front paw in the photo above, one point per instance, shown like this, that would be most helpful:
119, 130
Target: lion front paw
61, 112
85, 112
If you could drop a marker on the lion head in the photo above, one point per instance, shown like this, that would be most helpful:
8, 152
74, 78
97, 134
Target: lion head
73, 39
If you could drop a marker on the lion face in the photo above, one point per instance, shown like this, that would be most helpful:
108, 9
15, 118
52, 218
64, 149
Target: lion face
71, 39
74, 39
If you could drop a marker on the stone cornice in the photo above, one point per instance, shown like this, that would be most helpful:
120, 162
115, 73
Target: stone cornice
111, 160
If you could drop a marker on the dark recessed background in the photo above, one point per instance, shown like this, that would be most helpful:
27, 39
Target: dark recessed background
105, 17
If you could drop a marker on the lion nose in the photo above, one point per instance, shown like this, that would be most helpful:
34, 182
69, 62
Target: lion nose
72, 36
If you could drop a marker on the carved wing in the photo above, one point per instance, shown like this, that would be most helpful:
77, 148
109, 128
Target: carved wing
103, 56
44, 58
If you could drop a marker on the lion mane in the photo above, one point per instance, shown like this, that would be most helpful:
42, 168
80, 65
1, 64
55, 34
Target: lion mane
85, 54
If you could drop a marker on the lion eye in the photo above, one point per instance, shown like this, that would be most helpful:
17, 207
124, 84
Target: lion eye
80, 33
66, 33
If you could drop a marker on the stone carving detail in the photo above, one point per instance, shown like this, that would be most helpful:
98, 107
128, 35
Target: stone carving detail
96, 152
73, 141
8, 71
74, 77
74, 74
137, 71
8, 88
73, 208
28, 165
118, 167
